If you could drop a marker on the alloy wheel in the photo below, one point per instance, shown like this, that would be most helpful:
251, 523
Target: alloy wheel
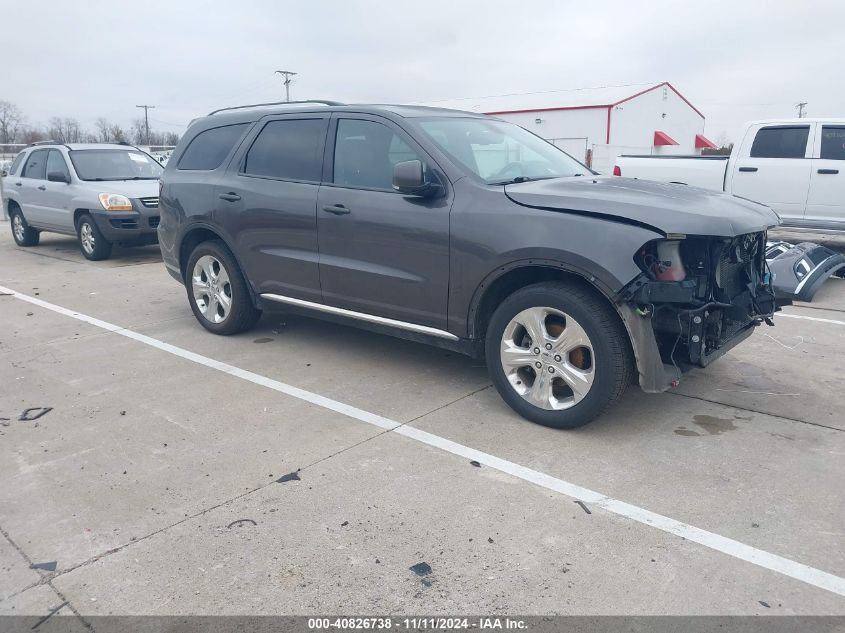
212, 289
547, 358
86, 237
18, 228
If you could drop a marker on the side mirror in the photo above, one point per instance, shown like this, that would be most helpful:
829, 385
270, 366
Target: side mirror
409, 179
58, 176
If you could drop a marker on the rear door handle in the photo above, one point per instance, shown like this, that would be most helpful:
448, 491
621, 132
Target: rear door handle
42, 188
337, 209
229, 197
747, 169
828, 171
18, 184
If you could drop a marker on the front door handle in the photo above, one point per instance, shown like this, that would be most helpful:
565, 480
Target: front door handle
337, 209
828, 171
42, 188
747, 169
18, 184
229, 197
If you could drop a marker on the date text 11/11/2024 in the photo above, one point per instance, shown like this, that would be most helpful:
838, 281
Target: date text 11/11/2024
416, 623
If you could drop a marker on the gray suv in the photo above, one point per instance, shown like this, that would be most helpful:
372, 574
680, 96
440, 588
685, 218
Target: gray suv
467, 232
102, 193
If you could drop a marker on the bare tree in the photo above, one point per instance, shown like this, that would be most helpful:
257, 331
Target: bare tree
118, 135
104, 130
139, 131
10, 120
64, 130
31, 134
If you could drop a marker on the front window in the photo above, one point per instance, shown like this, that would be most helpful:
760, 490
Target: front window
500, 152
114, 164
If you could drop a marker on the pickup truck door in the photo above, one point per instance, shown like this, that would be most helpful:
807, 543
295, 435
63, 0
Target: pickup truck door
773, 167
31, 185
381, 253
826, 200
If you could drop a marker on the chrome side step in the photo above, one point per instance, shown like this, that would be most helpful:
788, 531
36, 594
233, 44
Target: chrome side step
361, 316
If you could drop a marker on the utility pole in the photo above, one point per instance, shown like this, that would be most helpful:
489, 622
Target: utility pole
800, 107
287, 74
146, 119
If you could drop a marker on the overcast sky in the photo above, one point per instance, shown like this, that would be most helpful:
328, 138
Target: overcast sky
735, 61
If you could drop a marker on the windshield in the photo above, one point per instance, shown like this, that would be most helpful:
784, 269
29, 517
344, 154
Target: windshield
114, 164
500, 152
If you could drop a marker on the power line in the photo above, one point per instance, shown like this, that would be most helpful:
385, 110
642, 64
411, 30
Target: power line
287, 74
146, 119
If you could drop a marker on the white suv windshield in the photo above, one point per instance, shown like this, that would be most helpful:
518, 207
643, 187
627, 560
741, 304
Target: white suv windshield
500, 152
114, 164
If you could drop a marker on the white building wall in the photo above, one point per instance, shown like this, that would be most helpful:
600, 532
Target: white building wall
634, 122
632, 127
574, 131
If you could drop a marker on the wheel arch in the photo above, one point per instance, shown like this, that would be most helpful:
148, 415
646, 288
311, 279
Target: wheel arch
78, 213
196, 235
505, 280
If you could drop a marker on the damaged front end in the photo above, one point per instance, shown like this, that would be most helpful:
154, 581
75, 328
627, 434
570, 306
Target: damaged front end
698, 297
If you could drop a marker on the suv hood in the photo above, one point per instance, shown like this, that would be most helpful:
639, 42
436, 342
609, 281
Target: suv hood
664, 208
128, 188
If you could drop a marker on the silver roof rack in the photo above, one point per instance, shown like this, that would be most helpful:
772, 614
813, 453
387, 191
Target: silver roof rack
276, 103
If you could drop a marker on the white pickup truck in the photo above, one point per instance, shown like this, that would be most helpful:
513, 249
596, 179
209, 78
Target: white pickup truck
795, 166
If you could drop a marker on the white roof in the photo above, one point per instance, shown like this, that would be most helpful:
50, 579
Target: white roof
805, 120
574, 98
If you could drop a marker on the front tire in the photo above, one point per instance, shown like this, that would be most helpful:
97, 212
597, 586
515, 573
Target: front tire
92, 243
558, 354
23, 234
217, 290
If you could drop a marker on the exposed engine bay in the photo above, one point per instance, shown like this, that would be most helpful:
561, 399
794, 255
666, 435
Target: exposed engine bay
703, 295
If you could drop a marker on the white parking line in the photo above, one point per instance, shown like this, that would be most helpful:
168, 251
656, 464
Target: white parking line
807, 318
736, 549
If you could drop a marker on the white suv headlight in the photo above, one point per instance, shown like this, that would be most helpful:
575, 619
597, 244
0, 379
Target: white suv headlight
115, 202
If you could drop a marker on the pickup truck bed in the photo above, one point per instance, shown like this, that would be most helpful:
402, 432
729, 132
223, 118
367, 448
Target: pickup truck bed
796, 167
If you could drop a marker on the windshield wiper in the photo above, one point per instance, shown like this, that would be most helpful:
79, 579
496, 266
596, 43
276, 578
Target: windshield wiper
519, 179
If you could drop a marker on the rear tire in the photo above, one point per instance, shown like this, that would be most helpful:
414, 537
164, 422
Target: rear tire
23, 234
579, 364
92, 243
217, 290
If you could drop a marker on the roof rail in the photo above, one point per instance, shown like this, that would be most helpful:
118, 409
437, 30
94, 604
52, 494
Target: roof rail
47, 143
258, 105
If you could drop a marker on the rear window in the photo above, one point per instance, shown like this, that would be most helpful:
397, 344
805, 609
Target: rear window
780, 142
208, 149
833, 142
291, 149
36, 165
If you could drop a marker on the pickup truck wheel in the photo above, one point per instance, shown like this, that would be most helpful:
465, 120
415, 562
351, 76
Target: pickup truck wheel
24, 234
217, 290
92, 243
557, 354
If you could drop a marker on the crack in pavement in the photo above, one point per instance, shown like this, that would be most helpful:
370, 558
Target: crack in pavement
48, 578
742, 408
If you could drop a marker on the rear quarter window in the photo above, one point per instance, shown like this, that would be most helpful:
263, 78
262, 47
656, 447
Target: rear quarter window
16, 164
209, 148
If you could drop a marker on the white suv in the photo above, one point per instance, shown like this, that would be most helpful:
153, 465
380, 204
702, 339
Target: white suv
102, 193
